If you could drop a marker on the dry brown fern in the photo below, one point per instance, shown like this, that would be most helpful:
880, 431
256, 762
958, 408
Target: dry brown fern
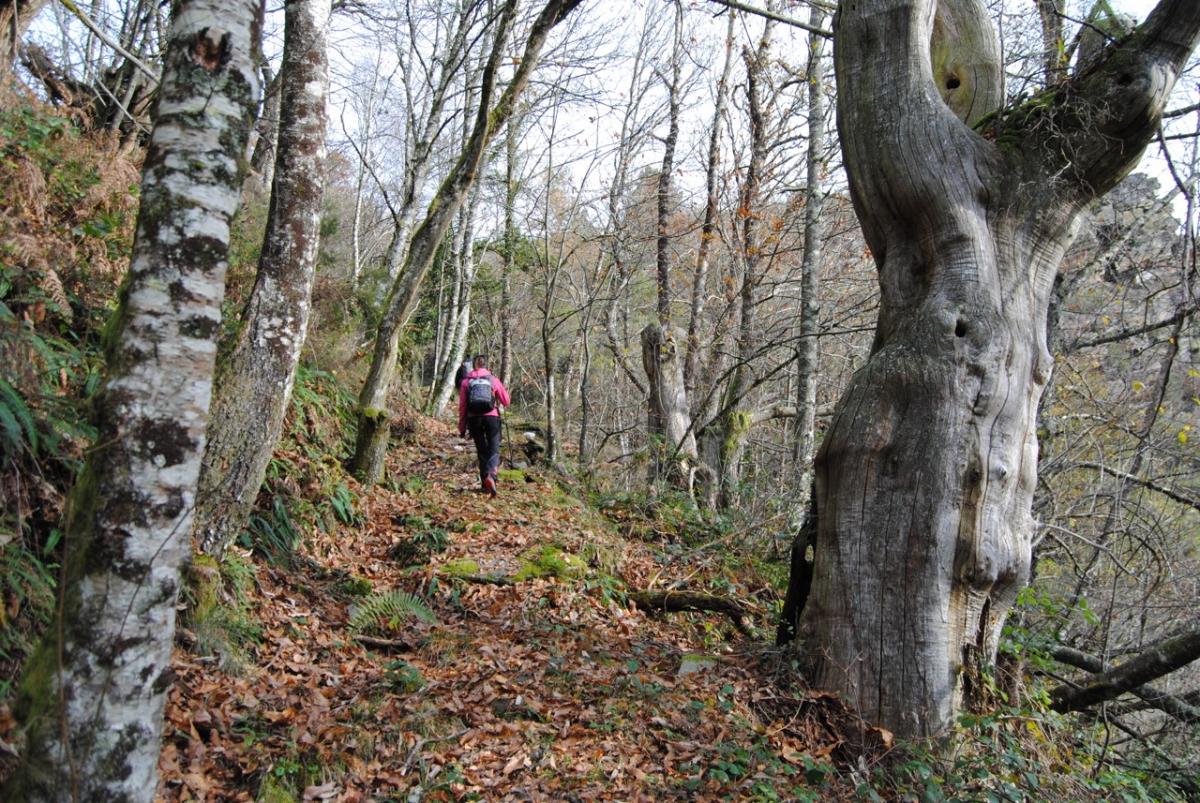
52, 286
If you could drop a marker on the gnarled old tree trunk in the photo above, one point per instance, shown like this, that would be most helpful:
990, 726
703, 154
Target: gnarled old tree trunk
673, 446
92, 697
925, 479
254, 385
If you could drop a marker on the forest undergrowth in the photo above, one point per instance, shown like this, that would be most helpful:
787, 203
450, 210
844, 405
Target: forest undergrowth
439, 643
423, 642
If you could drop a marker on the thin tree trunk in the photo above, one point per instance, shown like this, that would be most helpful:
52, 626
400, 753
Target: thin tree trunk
708, 227
807, 353
360, 179
735, 425
262, 160
663, 244
512, 131
93, 694
549, 390
457, 347
371, 445
254, 384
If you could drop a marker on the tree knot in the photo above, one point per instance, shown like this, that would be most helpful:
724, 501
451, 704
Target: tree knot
211, 49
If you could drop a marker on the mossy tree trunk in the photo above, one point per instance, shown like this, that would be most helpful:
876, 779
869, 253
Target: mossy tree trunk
93, 694
672, 444
925, 478
736, 419
370, 447
254, 384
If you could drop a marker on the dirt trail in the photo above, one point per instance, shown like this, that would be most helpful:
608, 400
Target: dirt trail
551, 688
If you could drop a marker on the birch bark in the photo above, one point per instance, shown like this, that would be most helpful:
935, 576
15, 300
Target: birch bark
93, 695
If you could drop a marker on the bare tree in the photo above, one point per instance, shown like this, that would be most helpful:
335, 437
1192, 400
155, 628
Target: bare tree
372, 438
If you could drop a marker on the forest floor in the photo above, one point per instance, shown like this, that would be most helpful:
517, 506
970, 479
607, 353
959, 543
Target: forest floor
522, 688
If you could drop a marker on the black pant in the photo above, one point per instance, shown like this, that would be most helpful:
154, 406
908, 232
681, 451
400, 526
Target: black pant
485, 429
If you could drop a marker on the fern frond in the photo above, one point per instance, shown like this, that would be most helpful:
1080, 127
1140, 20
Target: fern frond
388, 610
52, 286
16, 421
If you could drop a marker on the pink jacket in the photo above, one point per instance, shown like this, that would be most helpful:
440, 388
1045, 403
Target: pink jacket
502, 398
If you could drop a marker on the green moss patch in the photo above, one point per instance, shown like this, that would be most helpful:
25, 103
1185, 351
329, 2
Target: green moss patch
549, 560
459, 568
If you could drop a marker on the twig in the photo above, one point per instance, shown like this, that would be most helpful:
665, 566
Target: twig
108, 40
386, 643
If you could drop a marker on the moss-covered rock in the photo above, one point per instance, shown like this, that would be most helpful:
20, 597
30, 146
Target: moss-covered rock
549, 560
459, 568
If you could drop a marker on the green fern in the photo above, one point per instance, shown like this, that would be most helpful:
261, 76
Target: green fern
387, 610
17, 429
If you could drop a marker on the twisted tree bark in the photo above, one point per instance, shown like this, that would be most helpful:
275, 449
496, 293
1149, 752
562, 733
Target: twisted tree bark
925, 479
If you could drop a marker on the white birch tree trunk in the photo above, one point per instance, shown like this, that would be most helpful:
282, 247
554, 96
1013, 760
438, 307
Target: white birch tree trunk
456, 348
92, 698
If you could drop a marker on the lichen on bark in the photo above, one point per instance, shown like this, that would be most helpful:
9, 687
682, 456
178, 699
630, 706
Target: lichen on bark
93, 695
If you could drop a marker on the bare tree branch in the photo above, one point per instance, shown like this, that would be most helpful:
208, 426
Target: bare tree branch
1157, 660
1182, 708
771, 15
1182, 499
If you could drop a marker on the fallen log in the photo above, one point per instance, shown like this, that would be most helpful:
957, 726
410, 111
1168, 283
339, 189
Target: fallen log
671, 601
400, 645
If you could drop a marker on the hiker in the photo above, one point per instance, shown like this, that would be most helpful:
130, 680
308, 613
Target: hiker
462, 372
479, 396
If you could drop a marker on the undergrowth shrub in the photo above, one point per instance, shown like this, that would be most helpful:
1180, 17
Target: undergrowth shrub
1014, 753
67, 211
306, 487
425, 539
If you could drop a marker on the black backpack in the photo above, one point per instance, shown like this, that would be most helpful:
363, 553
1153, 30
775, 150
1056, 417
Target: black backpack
481, 396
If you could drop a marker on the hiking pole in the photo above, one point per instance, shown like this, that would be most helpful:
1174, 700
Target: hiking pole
507, 439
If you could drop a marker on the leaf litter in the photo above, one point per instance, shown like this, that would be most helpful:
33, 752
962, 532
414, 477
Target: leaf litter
546, 689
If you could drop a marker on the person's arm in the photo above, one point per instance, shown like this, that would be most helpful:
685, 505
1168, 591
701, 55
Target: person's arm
501, 392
